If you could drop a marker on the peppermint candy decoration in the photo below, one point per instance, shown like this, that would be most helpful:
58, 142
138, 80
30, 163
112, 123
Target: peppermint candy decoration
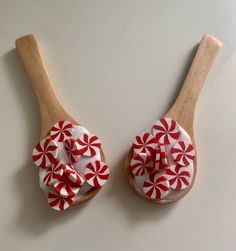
53, 174
61, 131
183, 153
73, 175
89, 144
157, 159
156, 187
166, 131
72, 149
141, 164
178, 176
65, 188
96, 173
58, 203
164, 159
144, 143
45, 153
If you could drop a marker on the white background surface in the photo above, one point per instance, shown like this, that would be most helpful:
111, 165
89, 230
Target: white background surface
117, 66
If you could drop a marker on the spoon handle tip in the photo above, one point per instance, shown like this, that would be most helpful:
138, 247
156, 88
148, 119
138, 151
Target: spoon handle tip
50, 108
184, 107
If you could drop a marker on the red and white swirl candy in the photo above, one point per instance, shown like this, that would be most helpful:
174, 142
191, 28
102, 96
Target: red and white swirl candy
183, 153
61, 131
58, 203
161, 160
54, 173
45, 153
144, 143
179, 177
89, 144
166, 131
156, 187
141, 164
96, 173
65, 188
73, 175
157, 160
164, 159
72, 149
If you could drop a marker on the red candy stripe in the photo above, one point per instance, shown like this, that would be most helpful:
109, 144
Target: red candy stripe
72, 149
161, 160
65, 188
144, 143
183, 153
156, 186
61, 130
164, 159
141, 163
166, 131
96, 173
178, 176
45, 153
73, 175
89, 144
58, 203
54, 173
158, 159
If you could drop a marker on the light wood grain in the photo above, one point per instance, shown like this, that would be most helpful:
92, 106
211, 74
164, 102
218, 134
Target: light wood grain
183, 109
51, 109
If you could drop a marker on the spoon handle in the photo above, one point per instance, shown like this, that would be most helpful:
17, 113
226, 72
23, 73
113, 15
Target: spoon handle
50, 108
184, 106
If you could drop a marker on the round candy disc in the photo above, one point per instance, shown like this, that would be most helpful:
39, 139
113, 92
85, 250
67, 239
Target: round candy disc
156, 186
45, 153
145, 143
89, 144
61, 131
96, 173
166, 131
58, 203
178, 176
141, 163
183, 153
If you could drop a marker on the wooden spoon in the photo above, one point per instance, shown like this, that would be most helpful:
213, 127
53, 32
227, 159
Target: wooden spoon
182, 111
51, 110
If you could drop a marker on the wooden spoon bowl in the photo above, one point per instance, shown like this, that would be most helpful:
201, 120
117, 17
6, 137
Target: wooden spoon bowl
184, 107
51, 110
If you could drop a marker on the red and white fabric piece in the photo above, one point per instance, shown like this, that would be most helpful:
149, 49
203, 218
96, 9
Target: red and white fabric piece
183, 153
61, 131
179, 177
156, 187
144, 143
73, 175
141, 164
166, 131
96, 173
89, 144
58, 203
45, 153
72, 149
53, 174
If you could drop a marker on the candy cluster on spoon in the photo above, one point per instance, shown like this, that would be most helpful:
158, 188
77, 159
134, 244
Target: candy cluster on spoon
162, 160
70, 164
